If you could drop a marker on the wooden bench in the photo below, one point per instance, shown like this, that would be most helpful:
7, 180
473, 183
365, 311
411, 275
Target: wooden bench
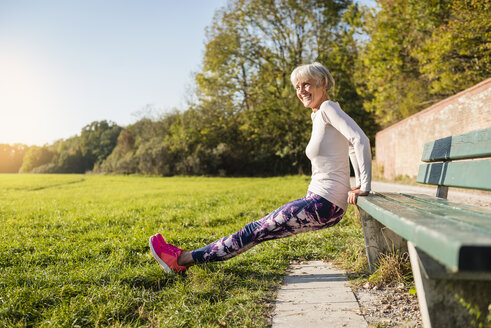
449, 243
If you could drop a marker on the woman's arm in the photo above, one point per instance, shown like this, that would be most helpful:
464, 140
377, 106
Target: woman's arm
356, 168
359, 152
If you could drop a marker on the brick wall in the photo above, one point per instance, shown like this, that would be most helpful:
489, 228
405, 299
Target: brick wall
399, 147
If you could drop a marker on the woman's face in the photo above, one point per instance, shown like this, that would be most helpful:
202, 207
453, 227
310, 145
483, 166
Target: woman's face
311, 95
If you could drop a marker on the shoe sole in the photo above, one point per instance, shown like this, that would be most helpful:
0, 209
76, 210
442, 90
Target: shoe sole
159, 260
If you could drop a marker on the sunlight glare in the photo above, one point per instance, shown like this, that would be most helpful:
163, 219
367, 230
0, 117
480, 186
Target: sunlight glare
27, 99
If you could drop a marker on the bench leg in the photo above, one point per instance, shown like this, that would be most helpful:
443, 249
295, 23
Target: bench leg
379, 239
445, 301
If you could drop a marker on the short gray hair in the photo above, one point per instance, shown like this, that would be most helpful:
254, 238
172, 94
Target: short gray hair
315, 71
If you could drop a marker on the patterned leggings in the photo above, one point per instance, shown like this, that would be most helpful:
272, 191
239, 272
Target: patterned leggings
309, 213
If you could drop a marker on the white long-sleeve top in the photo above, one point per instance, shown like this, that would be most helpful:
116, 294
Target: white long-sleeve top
335, 140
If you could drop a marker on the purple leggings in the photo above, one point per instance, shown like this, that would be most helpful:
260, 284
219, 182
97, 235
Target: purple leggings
309, 213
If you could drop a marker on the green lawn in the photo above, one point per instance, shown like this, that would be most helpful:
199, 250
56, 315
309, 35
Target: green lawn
74, 250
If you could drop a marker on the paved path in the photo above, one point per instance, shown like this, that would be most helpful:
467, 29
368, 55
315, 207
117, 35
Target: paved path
317, 294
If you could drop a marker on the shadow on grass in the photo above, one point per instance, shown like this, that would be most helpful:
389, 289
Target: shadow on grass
52, 186
153, 282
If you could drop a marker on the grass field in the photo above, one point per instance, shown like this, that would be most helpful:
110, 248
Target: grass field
74, 250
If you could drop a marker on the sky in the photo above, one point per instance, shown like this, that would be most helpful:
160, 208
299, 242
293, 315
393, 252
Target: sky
67, 63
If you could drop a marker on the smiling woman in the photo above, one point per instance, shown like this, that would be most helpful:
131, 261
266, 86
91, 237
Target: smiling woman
335, 139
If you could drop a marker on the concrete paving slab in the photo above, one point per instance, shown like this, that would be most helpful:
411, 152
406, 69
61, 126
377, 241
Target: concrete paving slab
317, 294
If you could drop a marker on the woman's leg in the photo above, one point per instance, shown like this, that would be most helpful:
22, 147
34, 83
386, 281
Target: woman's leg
305, 214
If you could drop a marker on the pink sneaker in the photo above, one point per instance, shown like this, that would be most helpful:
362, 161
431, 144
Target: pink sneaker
162, 241
166, 255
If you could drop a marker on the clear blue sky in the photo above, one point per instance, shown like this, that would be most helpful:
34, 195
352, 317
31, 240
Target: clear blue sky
64, 64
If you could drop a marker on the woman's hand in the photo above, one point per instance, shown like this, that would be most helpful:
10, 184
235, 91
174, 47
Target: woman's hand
354, 193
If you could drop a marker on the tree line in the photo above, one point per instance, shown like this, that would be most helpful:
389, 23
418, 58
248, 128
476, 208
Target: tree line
77, 154
389, 62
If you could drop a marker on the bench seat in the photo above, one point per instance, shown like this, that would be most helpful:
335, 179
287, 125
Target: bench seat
439, 227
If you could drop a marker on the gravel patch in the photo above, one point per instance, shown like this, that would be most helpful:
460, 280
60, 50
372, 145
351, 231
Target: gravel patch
389, 306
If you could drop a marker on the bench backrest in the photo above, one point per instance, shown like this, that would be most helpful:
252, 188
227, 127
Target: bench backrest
458, 161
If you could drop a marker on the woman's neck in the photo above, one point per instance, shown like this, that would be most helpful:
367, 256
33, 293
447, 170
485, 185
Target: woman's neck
324, 99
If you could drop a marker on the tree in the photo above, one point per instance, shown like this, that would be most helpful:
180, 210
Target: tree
457, 55
394, 87
421, 51
143, 147
70, 158
97, 140
35, 157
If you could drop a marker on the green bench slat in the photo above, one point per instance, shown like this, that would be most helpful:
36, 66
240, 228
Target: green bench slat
453, 205
447, 242
468, 145
465, 174
477, 219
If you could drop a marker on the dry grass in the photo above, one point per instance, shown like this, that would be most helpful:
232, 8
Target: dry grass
392, 269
